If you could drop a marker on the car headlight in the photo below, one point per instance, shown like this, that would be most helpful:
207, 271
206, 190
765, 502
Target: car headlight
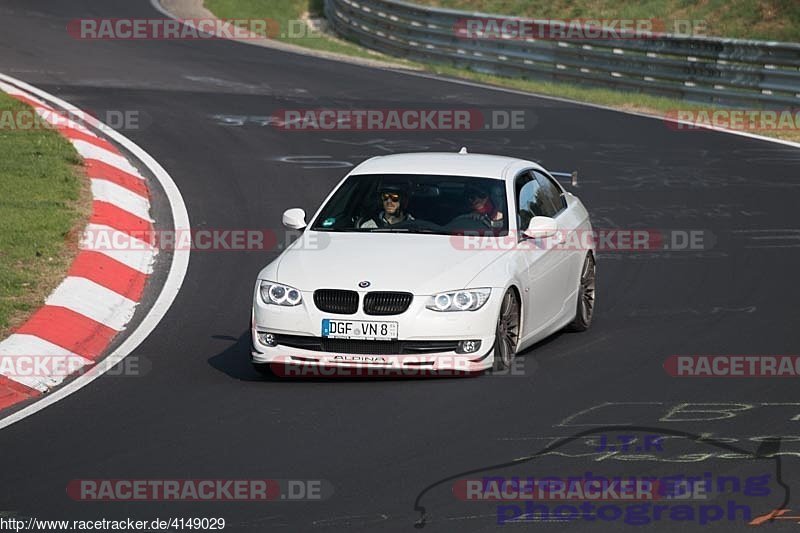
277, 294
465, 300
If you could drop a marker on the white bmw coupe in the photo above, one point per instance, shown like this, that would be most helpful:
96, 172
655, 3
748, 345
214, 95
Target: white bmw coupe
428, 261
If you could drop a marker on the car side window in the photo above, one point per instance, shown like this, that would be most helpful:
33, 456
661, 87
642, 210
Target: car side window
533, 200
525, 187
552, 192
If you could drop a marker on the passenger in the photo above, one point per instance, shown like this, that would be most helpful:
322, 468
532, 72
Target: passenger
483, 209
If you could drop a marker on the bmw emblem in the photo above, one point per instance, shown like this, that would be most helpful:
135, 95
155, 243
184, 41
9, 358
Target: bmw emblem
363, 284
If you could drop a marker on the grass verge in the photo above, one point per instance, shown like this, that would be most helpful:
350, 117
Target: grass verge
44, 204
777, 20
286, 10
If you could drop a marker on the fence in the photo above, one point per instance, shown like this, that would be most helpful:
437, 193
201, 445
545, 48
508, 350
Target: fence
725, 71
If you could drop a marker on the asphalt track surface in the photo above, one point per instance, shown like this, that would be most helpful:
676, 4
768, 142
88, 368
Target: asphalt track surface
201, 412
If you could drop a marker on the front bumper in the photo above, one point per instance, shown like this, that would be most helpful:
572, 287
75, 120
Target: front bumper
301, 363
420, 331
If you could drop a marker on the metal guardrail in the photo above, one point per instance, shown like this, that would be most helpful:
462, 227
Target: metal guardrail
724, 71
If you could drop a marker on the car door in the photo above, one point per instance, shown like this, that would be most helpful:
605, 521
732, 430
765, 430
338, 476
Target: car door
570, 250
543, 283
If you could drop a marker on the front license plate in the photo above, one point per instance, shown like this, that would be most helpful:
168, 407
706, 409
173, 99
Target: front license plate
358, 329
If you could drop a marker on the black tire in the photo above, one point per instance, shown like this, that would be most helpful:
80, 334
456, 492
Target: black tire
586, 296
506, 332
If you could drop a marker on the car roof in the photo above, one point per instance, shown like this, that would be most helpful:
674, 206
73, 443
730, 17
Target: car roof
445, 164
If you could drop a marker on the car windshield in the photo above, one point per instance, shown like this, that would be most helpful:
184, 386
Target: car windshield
416, 203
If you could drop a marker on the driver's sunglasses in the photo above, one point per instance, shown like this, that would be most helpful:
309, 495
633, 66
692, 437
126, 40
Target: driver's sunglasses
390, 196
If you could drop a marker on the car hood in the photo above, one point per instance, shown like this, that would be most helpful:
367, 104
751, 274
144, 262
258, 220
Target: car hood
420, 264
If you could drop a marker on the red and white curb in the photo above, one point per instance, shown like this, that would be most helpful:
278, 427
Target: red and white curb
103, 286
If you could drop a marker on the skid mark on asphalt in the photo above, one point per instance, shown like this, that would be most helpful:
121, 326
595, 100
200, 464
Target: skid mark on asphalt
771, 238
715, 310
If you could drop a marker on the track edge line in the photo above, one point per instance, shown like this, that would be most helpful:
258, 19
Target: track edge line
169, 290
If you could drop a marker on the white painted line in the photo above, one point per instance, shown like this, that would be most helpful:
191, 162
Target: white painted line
119, 246
94, 301
36, 351
177, 271
50, 115
47, 113
107, 191
56, 118
90, 151
10, 89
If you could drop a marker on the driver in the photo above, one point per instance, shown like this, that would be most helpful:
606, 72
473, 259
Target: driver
483, 209
394, 200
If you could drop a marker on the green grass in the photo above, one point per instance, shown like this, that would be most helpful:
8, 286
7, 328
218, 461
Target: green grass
284, 10
746, 19
42, 201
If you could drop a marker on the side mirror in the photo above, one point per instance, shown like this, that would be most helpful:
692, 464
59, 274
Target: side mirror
294, 218
541, 228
